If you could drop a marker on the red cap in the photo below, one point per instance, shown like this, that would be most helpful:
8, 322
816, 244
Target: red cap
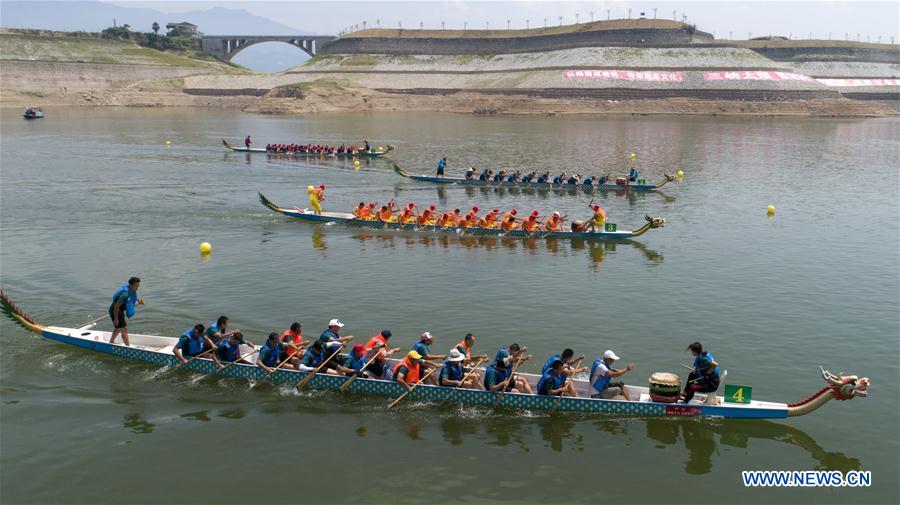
359, 348
534, 213
595, 206
475, 208
513, 212
410, 205
322, 186
496, 211
372, 205
432, 207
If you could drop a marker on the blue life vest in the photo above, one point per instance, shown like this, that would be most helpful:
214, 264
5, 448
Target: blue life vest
541, 179
483, 176
442, 164
572, 180
271, 358
633, 175
228, 351
356, 363
715, 372
557, 180
488, 372
603, 180
498, 178
194, 345
316, 358
132, 299
549, 364
454, 371
588, 181
602, 382
554, 382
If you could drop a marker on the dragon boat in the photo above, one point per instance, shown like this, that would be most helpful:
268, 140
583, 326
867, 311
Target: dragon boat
157, 351
625, 186
375, 153
351, 220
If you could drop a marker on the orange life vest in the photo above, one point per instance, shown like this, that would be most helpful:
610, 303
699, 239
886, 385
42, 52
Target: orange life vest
377, 339
488, 220
424, 217
464, 346
528, 224
412, 374
405, 216
294, 338
508, 224
552, 224
386, 214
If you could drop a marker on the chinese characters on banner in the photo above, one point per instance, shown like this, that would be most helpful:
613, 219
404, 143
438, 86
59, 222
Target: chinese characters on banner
628, 75
860, 82
754, 75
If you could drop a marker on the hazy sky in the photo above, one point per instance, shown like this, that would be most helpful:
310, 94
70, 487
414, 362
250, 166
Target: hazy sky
740, 17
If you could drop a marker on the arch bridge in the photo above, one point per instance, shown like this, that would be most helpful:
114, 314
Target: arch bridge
225, 47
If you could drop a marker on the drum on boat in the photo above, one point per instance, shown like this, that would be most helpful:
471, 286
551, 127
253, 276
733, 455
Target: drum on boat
664, 387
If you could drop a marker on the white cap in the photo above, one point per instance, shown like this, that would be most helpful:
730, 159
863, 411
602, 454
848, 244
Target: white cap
556, 213
455, 355
336, 322
427, 336
610, 355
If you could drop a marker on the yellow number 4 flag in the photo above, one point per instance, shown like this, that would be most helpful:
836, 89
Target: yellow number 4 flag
738, 394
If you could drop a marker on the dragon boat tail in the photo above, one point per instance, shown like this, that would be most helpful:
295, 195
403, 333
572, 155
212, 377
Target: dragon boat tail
626, 186
351, 220
157, 351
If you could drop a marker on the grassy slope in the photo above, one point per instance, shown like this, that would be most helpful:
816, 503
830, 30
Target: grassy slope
618, 24
18, 46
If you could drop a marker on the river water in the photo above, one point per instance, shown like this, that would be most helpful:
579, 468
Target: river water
91, 197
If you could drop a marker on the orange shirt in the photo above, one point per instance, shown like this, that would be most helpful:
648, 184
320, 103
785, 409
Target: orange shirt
424, 217
385, 215
292, 338
508, 224
529, 224
377, 339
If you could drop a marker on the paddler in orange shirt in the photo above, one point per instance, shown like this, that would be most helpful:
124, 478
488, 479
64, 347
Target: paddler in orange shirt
449, 219
531, 223
426, 217
509, 222
293, 340
490, 219
408, 214
386, 214
360, 211
470, 221
599, 218
554, 222
384, 351
472, 215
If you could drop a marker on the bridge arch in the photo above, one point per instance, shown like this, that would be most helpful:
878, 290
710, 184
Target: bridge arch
225, 47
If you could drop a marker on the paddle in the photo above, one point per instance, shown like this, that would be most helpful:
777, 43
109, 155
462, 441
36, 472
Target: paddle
346, 385
312, 374
512, 374
465, 377
273, 371
414, 386
204, 353
254, 351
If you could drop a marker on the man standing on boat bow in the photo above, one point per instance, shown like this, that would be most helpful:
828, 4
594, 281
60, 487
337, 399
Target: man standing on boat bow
123, 305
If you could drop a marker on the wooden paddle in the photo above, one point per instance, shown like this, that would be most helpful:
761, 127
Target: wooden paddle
346, 385
414, 386
465, 377
312, 374
187, 362
254, 351
272, 372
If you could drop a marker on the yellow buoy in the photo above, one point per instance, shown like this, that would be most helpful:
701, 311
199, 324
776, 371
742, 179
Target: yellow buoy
770, 210
680, 174
205, 248
168, 142
633, 156
310, 189
356, 164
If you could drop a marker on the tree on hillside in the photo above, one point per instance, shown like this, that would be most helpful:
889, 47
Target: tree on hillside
155, 28
117, 32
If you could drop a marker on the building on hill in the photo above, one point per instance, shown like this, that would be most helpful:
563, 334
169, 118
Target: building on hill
184, 28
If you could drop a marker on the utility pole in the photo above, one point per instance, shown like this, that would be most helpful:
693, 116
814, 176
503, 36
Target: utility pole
654, 13
560, 21
629, 13
527, 24
730, 36
507, 24
421, 25
576, 18
442, 25
465, 23
378, 22
607, 14
487, 25
674, 17
592, 16
545, 22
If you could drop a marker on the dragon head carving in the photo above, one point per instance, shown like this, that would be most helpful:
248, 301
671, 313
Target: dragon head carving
655, 222
846, 387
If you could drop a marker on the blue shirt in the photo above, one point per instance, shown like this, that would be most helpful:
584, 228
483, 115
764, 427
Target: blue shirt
557, 180
442, 164
422, 349
549, 364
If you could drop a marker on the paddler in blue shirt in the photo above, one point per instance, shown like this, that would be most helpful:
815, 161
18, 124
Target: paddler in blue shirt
568, 358
229, 350
219, 331
498, 375
442, 164
705, 377
123, 304
192, 343
633, 175
423, 347
270, 353
555, 383
332, 341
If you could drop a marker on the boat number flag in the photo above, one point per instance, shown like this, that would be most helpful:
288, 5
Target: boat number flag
738, 394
